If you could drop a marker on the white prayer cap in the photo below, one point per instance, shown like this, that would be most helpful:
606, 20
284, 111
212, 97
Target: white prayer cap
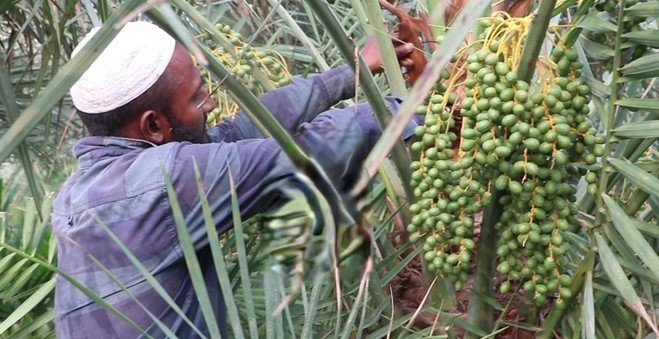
130, 65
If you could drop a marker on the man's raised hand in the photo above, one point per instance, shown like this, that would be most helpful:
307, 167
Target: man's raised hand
371, 55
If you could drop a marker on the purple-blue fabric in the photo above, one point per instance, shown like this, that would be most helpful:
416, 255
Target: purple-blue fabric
120, 183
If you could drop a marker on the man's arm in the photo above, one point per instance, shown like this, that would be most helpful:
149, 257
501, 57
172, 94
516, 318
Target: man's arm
302, 100
338, 139
293, 104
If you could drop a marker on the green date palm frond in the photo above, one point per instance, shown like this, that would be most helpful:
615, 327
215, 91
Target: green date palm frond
22, 264
26, 287
618, 217
35, 40
281, 275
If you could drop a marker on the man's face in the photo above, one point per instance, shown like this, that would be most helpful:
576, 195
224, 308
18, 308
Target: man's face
187, 119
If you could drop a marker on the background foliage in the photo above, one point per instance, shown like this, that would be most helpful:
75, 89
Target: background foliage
613, 257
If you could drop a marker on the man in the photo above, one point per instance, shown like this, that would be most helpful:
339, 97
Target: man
145, 106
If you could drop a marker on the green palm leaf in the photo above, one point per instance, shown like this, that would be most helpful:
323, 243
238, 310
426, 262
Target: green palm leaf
640, 178
28, 304
621, 283
60, 84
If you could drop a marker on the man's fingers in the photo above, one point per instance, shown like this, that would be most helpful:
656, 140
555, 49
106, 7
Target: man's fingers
404, 50
407, 62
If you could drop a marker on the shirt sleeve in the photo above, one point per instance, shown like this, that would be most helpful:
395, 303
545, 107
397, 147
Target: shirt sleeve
292, 105
338, 139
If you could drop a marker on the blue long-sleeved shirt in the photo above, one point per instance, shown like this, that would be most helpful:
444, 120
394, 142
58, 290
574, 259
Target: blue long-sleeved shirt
120, 182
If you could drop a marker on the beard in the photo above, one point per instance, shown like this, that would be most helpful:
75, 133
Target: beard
182, 133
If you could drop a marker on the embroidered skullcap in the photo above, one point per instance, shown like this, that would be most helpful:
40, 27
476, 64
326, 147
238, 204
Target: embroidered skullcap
130, 65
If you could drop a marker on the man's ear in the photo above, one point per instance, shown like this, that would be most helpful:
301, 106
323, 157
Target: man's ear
154, 127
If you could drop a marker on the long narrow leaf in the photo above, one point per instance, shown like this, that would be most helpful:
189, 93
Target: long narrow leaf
640, 178
190, 255
218, 258
649, 37
595, 23
651, 230
644, 9
627, 257
43, 227
318, 285
9, 99
597, 87
360, 297
287, 309
91, 12
588, 308
604, 330
619, 279
647, 65
28, 305
641, 129
632, 236
44, 319
639, 103
151, 280
86, 291
242, 262
362, 325
17, 284
29, 219
596, 50
392, 273
273, 323
9, 275
4, 262
123, 286
396, 323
